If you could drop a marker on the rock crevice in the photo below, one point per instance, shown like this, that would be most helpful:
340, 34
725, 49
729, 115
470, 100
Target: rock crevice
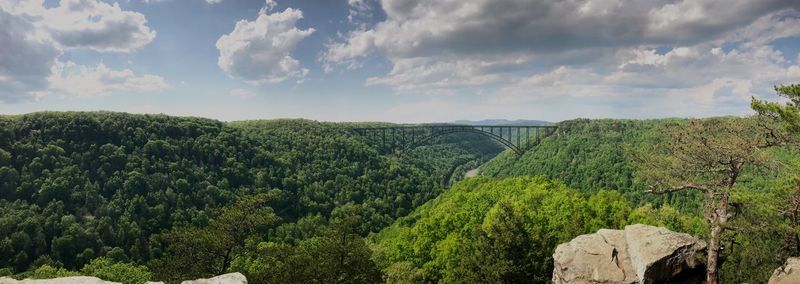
639, 254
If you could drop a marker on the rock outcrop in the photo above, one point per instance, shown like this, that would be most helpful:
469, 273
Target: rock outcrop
639, 254
789, 273
230, 278
61, 280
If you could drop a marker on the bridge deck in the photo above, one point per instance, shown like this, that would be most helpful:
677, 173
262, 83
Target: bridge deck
410, 136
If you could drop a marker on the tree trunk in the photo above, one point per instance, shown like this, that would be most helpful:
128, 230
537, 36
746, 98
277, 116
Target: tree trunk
717, 219
713, 253
226, 261
794, 213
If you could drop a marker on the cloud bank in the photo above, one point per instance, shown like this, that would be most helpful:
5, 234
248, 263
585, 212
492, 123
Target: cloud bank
716, 53
35, 36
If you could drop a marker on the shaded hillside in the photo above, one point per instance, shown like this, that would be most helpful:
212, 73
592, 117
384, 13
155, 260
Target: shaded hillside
75, 186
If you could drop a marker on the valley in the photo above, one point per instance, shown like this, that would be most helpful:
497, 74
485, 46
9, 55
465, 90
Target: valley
288, 200
399, 141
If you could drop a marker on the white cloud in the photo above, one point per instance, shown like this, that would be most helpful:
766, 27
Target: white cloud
69, 79
260, 51
429, 28
438, 76
696, 20
768, 28
569, 53
687, 81
242, 93
24, 60
269, 4
700, 64
359, 10
34, 37
87, 24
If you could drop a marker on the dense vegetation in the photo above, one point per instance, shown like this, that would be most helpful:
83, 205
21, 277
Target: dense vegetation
595, 155
132, 197
591, 155
452, 236
132, 188
490, 231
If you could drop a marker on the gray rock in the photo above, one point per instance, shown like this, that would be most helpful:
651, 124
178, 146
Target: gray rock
639, 254
789, 273
658, 254
230, 278
61, 280
591, 258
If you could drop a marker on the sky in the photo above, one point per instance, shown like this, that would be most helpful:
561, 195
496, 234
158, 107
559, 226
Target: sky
397, 60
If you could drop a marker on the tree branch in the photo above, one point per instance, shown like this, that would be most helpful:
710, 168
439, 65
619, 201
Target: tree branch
677, 188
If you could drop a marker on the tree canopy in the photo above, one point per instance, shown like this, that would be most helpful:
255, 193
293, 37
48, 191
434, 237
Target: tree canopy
75, 186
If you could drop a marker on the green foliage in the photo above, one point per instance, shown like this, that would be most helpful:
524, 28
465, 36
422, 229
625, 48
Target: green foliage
788, 114
669, 218
103, 268
109, 270
205, 252
493, 231
403, 272
762, 235
47, 271
593, 155
705, 155
75, 186
337, 256
709, 157
288, 201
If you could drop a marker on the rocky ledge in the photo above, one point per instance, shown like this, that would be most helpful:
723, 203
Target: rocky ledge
639, 254
789, 273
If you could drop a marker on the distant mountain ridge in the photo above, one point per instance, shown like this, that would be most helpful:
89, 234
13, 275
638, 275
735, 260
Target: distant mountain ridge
491, 122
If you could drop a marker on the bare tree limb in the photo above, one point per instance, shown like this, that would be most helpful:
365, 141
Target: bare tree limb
687, 186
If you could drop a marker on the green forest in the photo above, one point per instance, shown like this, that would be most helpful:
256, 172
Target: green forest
80, 189
132, 198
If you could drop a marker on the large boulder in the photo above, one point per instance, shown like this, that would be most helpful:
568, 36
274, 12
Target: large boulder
789, 273
60, 280
592, 257
230, 278
639, 254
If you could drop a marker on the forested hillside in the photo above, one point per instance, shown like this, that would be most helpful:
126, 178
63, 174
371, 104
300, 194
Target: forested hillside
133, 197
503, 231
506, 230
138, 189
591, 155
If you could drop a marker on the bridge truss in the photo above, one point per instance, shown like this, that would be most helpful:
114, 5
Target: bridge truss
518, 138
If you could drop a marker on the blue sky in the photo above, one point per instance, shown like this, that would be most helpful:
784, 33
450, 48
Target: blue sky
401, 61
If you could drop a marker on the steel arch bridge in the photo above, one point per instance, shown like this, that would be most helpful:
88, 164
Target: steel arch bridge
518, 138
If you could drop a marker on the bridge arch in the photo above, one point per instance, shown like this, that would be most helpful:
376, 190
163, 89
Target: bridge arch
497, 138
407, 137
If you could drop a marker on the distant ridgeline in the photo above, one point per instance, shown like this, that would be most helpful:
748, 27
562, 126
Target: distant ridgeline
490, 122
76, 186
